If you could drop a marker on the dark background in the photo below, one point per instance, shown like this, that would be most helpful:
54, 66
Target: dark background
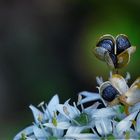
46, 49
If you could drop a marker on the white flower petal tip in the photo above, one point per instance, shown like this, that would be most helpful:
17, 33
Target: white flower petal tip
53, 104
126, 123
89, 96
38, 115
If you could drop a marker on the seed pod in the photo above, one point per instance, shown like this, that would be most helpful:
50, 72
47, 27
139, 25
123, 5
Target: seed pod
119, 83
122, 43
108, 92
115, 52
107, 42
132, 96
124, 57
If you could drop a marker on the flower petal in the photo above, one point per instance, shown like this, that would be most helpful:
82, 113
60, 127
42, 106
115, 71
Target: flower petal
126, 123
36, 113
75, 129
53, 104
27, 131
68, 111
40, 133
103, 126
134, 108
60, 125
89, 96
106, 112
91, 108
138, 124
82, 136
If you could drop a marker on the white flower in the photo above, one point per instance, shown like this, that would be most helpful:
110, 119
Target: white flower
24, 133
126, 123
40, 129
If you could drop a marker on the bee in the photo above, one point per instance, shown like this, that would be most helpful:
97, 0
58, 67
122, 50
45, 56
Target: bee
116, 90
115, 52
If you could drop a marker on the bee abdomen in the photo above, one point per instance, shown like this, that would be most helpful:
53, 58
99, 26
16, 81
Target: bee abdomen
109, 93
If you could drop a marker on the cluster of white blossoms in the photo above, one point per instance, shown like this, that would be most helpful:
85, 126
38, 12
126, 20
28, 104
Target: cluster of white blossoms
57, 121
113, 114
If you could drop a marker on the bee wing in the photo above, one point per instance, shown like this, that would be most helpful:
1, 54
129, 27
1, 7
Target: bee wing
119, 83
100, 53
124, 57
133, 94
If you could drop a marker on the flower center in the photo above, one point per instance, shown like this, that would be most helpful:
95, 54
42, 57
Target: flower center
82, 119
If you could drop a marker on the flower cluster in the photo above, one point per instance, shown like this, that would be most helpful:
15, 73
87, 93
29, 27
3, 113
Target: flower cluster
113, 114
72, 122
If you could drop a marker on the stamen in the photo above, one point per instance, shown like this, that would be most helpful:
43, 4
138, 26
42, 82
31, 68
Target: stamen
40, 118
41, 104
79, 101
74, 104
23, 136
65, 110
68, 114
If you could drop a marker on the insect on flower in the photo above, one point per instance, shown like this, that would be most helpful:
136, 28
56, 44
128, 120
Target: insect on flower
116, 90
115, 52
